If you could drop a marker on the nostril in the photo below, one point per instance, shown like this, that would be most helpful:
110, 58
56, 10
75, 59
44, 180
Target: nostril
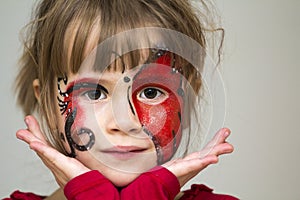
134, 130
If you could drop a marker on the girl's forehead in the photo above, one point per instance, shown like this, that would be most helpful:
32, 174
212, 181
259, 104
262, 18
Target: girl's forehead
129, 49
101, 60
104, 76
154, 70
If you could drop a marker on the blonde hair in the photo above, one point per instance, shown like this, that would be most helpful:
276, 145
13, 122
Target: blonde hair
45, 49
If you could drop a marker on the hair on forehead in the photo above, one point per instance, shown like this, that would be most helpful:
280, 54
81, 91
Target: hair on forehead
114, 16
110, 17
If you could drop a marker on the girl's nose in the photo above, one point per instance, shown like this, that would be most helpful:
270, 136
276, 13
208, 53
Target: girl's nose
124, 117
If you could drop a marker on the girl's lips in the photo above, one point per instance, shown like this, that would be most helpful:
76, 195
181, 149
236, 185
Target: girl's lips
124, 152
124, 149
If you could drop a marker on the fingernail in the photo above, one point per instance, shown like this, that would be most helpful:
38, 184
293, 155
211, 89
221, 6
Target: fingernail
19, 136
226, 134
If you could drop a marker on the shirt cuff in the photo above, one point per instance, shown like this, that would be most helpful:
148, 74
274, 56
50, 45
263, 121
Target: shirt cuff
83, 182
168, 180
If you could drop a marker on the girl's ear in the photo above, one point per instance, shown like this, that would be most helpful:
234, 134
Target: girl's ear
36, 88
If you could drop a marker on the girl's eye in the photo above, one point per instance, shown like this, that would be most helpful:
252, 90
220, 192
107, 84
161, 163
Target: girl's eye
95, 95
152, 95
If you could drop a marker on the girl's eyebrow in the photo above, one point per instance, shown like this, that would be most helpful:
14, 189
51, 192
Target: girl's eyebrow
85, 83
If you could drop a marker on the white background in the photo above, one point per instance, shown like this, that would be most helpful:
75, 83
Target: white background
260, 69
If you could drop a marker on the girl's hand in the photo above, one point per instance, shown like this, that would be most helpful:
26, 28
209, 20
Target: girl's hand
63, 168
186, 168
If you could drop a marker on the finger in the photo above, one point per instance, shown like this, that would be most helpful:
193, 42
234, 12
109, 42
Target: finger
26, 136
57, 161
220, 137
45, 152
60, 166
220, 149
34, 127
35, 144
217, 150
50, 155
201, 163
184, 167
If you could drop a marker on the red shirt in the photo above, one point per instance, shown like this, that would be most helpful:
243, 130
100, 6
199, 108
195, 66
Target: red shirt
157, 184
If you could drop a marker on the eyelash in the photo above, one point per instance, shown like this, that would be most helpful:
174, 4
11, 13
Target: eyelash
148, 95
98, 95
160, 95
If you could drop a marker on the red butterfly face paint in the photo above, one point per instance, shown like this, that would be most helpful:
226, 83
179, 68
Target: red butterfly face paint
75, 114
160, 115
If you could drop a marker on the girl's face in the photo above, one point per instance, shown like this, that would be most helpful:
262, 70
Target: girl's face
122, 123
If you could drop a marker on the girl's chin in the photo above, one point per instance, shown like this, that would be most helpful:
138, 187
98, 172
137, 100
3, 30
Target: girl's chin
121, 179
120, 174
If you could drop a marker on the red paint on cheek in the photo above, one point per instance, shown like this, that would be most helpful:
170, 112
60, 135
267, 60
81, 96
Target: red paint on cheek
69, 100
157, 117
168, 113
80, 117
73, 102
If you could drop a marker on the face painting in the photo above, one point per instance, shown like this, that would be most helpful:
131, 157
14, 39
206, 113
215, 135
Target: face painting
83, 138
156, 98
161, 120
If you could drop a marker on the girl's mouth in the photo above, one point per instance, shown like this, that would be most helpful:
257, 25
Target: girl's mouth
124, 152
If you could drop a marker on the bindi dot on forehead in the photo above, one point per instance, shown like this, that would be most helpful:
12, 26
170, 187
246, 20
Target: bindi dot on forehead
126, 79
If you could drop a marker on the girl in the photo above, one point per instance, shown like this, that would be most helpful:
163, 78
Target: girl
116, 84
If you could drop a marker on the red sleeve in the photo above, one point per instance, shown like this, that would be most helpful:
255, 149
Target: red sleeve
202, 192
91, 185
17, 195
159, 183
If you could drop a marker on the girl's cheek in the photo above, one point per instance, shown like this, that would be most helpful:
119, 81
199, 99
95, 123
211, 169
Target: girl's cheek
78, 135
82, 113
155, 117
163, 124
78, 124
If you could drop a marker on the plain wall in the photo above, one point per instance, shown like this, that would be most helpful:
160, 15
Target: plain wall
260, 69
